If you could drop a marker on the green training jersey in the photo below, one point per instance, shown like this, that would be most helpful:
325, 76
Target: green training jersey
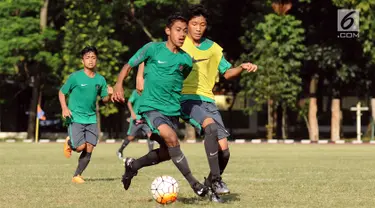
134, 99
164, 74
83, 91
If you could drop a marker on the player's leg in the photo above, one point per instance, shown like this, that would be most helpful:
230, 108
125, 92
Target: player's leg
130, 137
167, 131
91, 139
153, 157
78, 144
74, 138
197, 111
120, 151
147, 131
223, 154
150, 143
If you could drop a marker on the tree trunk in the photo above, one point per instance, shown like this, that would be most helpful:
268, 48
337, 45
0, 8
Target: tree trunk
99, 123
269, 126
189, 132
373, 108
43, 15
33, 107
335, 119
284, 125
35, 80
313, 109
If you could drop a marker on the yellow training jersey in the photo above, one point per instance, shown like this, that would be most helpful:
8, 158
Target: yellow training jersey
202, 78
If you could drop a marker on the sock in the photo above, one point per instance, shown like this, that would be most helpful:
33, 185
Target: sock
124, 144
212, 148
181, 163
83, 161
150, 144
152, 158
223, 161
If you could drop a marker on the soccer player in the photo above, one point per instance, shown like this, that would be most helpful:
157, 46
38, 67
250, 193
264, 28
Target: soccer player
166, 66
83, 87
136, 126
198, 100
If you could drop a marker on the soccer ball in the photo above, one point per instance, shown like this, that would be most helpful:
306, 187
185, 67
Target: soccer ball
164, 189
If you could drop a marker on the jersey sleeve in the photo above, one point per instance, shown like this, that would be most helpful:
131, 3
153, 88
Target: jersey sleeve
142, 54
68, 85
187, 67
103, 89
224, 65
132, 97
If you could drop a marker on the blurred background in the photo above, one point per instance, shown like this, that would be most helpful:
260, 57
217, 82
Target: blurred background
316, 62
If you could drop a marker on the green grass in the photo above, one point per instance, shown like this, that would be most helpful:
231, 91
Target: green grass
261, 175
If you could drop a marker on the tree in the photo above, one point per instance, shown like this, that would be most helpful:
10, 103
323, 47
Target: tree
90, 23
367, 34
24, 48
276, 46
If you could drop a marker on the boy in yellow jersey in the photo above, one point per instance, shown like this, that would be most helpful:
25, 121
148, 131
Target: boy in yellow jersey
198, 100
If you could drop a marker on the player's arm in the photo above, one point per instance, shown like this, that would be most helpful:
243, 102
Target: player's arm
140, 79
118, 92
141, 55
64, 107
107, 98
230, 73
65, 89
130, 107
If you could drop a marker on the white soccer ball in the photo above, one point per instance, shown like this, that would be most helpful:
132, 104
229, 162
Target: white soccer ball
164, 189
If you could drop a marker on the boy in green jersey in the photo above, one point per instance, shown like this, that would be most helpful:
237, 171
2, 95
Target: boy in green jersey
198, 101
166, 66
83, 87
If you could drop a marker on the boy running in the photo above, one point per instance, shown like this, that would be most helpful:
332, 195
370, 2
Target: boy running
198, 101
136, 125
166, 68
83, 87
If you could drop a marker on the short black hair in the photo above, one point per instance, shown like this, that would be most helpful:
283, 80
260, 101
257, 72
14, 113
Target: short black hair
175, 17
197, 10
88, 49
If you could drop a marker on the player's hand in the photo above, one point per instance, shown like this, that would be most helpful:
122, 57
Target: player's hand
109, 90
66, 113
249, 67
140, 85
118, 94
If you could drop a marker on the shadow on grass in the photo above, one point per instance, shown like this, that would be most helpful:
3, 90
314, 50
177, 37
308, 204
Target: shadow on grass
193, 200
103, 179
231, 197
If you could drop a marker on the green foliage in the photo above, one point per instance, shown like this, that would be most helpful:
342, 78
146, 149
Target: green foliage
90, 23
367, 23
276, 46
22, 42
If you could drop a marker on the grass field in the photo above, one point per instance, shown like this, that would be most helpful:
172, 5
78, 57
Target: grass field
259, 175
